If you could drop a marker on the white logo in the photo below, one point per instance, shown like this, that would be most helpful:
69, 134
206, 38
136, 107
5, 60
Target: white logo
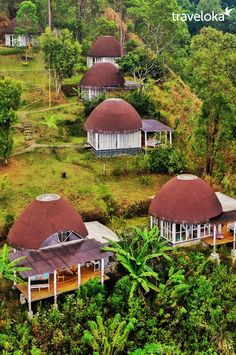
206, 17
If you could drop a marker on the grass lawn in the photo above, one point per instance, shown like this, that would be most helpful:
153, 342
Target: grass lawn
40, 171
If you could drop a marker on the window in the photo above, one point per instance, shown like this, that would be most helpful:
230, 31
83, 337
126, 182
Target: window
11, 40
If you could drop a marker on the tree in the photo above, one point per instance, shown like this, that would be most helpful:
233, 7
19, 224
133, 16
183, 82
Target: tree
141, 64
155, 25
10, 95
136, 255
27, 21
108, 339
212, 75
60, 55
8, 269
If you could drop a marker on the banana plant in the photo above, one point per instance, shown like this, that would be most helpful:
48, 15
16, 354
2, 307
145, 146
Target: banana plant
110, 338
9, 269
136, 256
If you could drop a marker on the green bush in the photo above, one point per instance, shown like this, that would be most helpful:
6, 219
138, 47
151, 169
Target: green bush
143, 103
167, 160
10, 50
89, 105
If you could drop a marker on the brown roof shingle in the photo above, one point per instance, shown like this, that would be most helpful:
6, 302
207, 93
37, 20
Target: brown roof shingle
102, 75
40, 219
105, 46
113, 116
185, 199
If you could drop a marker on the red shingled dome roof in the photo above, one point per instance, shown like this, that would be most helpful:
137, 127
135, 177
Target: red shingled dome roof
102, 75
185, 199
105, 46
46, 215
13, 25
113, 116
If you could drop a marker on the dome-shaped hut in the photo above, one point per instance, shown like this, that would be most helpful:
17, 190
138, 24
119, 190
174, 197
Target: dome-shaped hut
183, 209
114, 128
47, 220
99, 78
104, 49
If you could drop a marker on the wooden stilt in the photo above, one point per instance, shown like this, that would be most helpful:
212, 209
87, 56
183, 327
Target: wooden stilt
102, 270
79, 275
55, 288
30, 312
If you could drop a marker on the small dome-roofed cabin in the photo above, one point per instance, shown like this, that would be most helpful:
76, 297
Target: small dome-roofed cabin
19, 40
183, 209
114, 128
99, 78
47, 220
104, 49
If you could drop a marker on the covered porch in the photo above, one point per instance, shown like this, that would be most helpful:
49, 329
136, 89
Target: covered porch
64, 283
59, 269
155, 133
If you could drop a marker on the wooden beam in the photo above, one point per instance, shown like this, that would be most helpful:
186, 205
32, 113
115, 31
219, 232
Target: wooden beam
234, 240
55, 287
170, 137
102, 270
214, 239
30, 313
79, 275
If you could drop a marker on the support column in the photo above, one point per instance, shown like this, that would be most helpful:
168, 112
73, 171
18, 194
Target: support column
55, 288
215, 256
173, 232
165, 137
102, 270
233, 251
199, 231
170, 133
79, 275
214, 239
151, 222
96, 141
145, 135
162, 229
30, 312
14, 282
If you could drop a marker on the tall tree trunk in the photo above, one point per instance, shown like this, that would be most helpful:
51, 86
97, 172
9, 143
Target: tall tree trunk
49, 14
121, 28
80, 14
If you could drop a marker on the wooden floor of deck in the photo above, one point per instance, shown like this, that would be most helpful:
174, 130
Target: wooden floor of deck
69, 284
228, 238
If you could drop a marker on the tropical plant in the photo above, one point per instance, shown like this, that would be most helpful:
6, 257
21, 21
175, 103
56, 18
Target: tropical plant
10, 96
108, 339
8, 269
51, 121
60, 55
136, 254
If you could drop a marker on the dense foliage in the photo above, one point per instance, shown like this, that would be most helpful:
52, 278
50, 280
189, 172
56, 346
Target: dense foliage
191, 311
60, 55
10, 95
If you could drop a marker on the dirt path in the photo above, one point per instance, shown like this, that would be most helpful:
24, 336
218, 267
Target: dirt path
34, 146
46, 109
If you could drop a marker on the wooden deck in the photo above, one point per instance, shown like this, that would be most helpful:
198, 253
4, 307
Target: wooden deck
69, 284
228, 238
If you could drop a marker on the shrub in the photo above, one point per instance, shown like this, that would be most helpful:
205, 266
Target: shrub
89, 105
167, 160
10, 51
70, 85
143, 103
